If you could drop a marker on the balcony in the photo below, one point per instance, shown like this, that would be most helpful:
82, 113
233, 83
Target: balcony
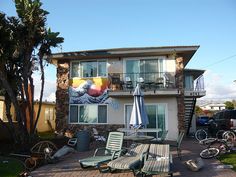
198, 90
158, 83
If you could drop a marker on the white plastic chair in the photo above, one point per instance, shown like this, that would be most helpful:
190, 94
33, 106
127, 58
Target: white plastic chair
98, 137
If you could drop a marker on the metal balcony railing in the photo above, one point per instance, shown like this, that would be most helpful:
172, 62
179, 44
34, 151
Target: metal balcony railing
199, 84
147, 81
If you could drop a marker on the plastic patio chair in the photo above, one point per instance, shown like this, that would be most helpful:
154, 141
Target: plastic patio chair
132, 160
98, 138
161, 139
158, 161
178, 143
128, 85
112, 150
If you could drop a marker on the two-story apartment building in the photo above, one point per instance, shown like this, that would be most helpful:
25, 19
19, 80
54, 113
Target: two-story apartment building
94, 88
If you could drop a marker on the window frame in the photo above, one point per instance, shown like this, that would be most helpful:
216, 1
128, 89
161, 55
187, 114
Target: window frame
78, 105
163, 58
90, 60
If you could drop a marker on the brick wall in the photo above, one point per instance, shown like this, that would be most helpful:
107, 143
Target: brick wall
62, 95
180, 86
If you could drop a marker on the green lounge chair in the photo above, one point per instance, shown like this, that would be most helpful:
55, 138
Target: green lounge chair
132, 160
112, 150
158, 161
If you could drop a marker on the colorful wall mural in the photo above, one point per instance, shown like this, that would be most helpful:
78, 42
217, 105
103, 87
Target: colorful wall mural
89, 90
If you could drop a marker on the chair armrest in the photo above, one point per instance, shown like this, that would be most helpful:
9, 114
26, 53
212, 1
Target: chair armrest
124, 150
98, 150
174, 145
115, 152
171, 159
142, 158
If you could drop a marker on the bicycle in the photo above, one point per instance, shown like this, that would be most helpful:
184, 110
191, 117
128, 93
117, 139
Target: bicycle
229, 135
202, 134
215, 147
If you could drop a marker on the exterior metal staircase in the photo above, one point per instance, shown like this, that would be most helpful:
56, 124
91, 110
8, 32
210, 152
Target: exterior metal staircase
189, 103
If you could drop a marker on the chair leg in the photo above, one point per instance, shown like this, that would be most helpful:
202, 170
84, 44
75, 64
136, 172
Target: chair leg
82, 166
111, 170
137, 172
102, 170
171, 174
179, 153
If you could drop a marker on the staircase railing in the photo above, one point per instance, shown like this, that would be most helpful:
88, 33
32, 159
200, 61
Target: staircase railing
191, 115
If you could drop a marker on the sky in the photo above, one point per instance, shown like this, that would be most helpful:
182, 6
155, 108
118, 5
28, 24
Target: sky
104, 24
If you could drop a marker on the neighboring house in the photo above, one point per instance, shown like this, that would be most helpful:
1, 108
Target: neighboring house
94, 88
47, 116
1, 107
213, 106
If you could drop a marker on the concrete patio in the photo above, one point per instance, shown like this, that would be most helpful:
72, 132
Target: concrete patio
69, 165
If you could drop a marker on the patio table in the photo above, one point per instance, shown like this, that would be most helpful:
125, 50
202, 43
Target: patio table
138, 138
129, 130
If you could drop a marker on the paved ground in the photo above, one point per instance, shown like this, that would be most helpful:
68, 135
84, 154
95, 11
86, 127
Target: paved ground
70, 167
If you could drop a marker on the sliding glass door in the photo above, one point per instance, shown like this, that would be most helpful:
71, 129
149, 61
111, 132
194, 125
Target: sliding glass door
156, 116
148, 69
132, 70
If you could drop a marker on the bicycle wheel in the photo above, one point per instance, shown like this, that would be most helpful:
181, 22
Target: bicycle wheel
200, 134
209, 153
219, 134
229, 135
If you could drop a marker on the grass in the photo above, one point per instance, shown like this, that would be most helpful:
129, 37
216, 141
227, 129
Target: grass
229, 159
10, 167
46, 135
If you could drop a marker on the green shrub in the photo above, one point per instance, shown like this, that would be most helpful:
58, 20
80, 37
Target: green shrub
10, 167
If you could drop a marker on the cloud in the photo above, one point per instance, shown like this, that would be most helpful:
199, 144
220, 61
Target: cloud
218, 88
51, 97
49, 89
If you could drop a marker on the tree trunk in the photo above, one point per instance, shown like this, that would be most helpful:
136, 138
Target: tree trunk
11, 128
13, 99
42, 89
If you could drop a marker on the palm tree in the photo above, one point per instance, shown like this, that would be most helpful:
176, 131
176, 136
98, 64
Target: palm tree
26, 42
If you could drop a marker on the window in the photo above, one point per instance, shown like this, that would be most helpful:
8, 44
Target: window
156, 116
88, 114
144, 66
73, 114
89, 68
188, 82
149, 69
49, 114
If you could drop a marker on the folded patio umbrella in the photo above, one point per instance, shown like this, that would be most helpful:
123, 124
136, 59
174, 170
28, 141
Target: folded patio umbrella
139, 116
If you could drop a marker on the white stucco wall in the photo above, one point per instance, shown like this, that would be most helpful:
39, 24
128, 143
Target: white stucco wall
170, 64
116, 113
